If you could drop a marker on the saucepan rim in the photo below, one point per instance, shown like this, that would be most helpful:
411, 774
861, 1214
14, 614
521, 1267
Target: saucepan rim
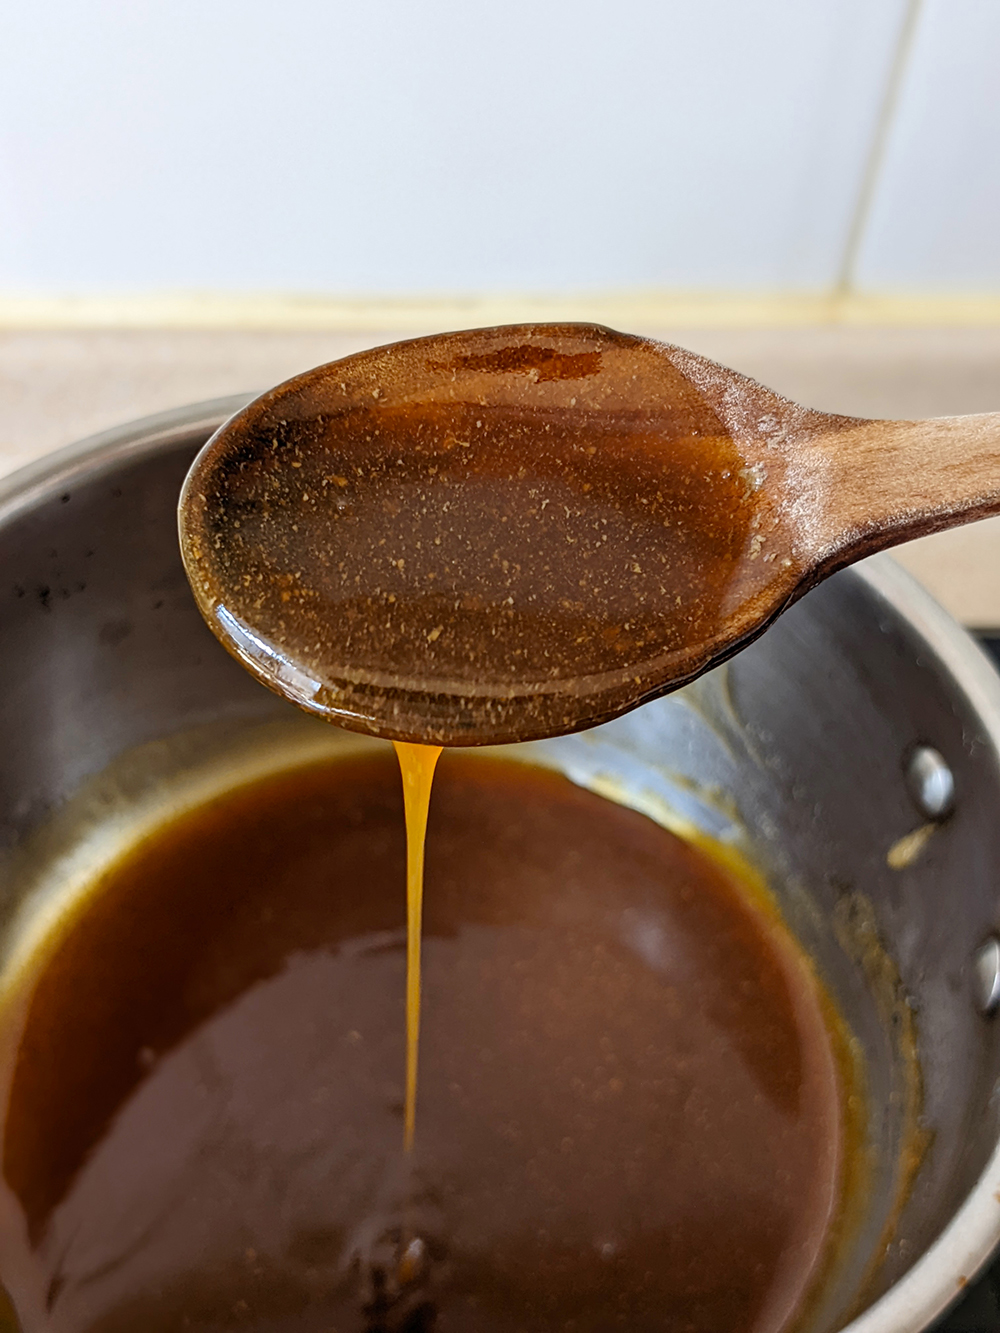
968, 1240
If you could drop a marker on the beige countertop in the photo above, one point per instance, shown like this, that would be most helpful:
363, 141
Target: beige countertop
56, 387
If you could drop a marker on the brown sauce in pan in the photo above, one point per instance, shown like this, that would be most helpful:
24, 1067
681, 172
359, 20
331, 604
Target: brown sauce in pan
629, 1107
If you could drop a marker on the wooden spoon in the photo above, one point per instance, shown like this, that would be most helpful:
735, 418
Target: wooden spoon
517, 532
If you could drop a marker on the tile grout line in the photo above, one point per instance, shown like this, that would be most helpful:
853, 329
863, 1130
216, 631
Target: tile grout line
876, 151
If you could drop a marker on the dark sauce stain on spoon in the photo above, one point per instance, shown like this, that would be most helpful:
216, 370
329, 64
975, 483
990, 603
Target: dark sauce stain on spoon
540, 363
630, 1114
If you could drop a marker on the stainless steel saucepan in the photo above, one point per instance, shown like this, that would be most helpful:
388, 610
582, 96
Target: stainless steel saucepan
853, 754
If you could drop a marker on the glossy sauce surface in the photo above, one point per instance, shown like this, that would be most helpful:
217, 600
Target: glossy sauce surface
484, 536
629, 1110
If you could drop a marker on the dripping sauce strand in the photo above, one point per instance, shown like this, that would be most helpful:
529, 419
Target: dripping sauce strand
416, 766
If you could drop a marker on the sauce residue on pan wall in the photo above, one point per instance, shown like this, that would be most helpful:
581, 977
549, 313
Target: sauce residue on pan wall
629, 1103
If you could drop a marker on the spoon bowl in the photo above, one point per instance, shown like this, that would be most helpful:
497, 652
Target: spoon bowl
513, 533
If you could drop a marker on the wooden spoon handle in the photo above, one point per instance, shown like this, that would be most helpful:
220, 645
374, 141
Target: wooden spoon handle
871, 484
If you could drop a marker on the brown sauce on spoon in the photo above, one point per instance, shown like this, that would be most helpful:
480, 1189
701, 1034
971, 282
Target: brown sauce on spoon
481, 537
629, 1109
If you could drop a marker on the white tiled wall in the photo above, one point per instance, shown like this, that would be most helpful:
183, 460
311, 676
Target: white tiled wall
935, 220
546, 145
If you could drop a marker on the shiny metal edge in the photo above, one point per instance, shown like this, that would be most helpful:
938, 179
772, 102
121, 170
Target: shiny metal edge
968, 1241
940, 1276
26, 486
